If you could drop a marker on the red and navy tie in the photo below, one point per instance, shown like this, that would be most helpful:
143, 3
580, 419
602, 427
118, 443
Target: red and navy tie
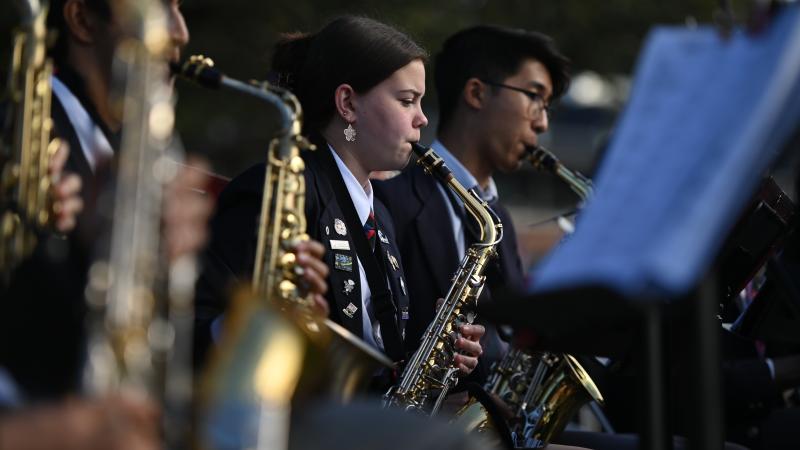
369, 230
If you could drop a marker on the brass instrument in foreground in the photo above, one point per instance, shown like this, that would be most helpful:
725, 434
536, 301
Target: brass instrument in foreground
430, 372
275, 347
140, 303
26, 148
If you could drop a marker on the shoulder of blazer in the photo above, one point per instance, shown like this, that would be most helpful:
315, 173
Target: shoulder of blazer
406, 194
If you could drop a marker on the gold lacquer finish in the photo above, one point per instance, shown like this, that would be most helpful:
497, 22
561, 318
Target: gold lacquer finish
253, 378
543, 390
430, 372
26, 149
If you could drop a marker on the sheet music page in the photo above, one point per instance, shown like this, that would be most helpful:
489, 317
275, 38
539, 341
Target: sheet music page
705, 119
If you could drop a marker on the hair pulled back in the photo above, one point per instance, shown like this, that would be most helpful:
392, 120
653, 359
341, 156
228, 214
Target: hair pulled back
354, 50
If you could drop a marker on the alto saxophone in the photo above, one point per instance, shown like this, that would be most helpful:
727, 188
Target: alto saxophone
542, 389
430, 372
25, 185
274, 346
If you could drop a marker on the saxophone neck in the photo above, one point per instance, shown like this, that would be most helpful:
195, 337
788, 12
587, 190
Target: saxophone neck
200, 69
543, 160
490, 225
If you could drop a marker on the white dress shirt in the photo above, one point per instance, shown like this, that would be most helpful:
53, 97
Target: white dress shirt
463, 176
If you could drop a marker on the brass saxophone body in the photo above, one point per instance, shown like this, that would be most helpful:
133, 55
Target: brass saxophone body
140, 304
430, 373
275, 349
542, 389
558, 385
25, 198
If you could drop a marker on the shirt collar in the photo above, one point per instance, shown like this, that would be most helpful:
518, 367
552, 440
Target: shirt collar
362, 196
94, 143
463, 175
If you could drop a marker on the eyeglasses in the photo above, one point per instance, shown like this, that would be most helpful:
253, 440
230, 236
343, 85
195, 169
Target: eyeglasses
538, 105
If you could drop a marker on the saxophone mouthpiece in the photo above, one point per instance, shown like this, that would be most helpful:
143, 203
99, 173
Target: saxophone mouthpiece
199, 69
542, 159
433, 163
418, 149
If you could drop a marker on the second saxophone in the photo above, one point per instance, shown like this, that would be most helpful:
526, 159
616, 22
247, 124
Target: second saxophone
430, 373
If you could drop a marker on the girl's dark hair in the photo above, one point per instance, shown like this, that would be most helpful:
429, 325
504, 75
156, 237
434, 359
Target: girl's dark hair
495, 53
55, 22
358, 51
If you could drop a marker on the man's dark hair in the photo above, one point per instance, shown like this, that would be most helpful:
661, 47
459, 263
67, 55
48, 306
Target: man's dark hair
56, 23
355, 50
491, 52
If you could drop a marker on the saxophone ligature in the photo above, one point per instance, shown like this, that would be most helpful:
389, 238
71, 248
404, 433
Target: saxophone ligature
25, 146
430, 373
274, 344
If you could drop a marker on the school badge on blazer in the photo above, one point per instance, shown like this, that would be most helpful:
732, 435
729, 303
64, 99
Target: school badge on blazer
343, 262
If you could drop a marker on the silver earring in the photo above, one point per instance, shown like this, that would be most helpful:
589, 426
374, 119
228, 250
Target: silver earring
350, 133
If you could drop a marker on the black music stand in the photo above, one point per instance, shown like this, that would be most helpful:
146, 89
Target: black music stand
686, 156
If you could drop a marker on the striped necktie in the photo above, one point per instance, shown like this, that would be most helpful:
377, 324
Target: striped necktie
370, 229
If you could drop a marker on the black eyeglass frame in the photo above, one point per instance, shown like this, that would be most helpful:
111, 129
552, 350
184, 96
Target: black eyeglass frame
533, 96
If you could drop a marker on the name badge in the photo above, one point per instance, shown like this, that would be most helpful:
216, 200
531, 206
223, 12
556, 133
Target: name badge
340, 244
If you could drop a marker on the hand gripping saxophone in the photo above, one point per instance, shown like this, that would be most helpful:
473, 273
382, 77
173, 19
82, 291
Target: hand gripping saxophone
430, 373
26, 148
275, 349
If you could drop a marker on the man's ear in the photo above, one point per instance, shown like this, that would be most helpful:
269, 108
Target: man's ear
79, 20
474, 93
344, 97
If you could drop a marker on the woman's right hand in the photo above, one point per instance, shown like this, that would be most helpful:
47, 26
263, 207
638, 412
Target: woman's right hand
315, 272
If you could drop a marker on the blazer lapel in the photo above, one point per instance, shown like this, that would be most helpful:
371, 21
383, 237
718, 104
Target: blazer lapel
435, 230
345, 285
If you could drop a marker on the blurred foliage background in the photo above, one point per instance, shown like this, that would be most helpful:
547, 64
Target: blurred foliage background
601, 38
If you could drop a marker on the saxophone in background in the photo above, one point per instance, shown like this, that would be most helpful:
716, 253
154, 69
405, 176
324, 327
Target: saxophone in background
543, 390
26, 148
275, 349
430, 373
